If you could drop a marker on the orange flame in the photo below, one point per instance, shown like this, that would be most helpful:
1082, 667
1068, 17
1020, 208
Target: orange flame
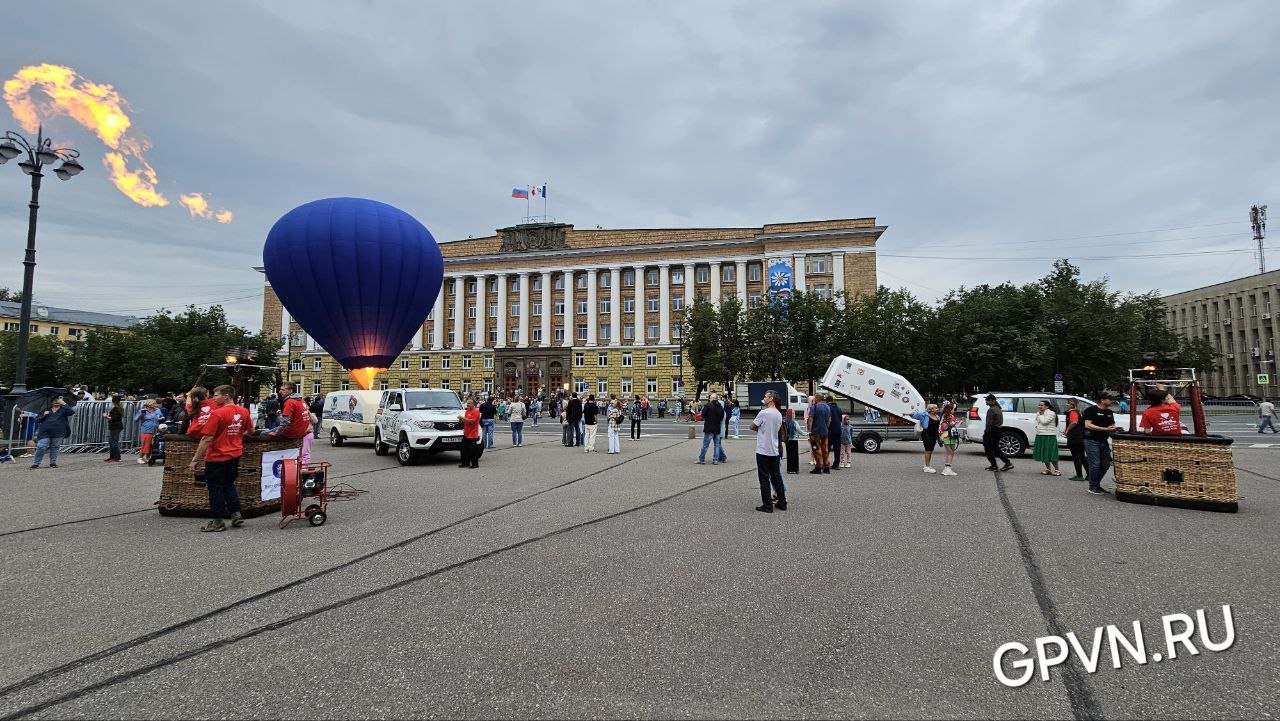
364, 376
199, 208
101, 110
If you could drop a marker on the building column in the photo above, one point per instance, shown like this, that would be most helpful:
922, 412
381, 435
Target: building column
640, 290
524, 312
501, 325
546, 312
592, 315
689, 283
569, 316
437, 343
482, 313
459, 298
284, 331
740, 276
797, 271
664, 301
837, 276
615, 307
715, 284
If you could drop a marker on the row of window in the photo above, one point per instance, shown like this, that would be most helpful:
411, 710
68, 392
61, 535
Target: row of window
1222, 310
815, 264
579, 361
580, 385
35, 328
702, 274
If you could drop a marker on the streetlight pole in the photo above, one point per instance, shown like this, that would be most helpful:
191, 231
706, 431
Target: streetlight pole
38, 155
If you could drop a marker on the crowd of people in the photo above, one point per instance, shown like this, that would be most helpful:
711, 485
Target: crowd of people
830, 431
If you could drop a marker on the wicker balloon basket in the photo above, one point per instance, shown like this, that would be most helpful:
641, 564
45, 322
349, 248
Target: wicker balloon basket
183, 492
1184, 471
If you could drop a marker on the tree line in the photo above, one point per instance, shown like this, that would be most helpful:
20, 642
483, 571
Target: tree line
162, 353
1004, 337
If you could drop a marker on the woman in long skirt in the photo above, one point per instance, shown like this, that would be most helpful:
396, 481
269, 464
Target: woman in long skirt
1046, 450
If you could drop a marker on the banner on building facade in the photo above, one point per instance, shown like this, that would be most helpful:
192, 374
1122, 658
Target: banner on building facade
780, 278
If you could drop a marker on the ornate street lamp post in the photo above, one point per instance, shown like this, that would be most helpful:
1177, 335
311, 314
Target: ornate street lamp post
39, 154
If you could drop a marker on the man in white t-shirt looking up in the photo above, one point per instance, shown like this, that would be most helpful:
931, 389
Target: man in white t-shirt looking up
766, 426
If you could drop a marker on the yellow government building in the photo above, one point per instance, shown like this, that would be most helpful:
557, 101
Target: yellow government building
541, 307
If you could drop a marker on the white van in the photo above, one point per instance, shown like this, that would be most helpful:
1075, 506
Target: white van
349, 415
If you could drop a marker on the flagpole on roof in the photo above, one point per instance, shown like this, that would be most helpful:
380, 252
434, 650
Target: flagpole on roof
544, 200
527, 190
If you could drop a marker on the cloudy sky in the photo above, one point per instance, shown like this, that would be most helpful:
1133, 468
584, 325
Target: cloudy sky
990, 137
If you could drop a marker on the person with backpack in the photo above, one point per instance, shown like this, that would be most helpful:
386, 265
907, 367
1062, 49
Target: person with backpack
316, 409
271, 412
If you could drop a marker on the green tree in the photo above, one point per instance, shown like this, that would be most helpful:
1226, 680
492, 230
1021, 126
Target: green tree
809, 321
701, 341
733, 337
891, 329
47, 360
764, 333
164, 352
12, 296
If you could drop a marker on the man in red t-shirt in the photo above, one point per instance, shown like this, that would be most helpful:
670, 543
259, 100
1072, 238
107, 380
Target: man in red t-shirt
295, 419
221, 446
470, 435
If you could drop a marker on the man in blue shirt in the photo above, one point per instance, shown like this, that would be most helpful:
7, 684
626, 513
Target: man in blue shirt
53, 427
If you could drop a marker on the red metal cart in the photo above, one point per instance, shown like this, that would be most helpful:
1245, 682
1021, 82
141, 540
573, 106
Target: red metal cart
304, 492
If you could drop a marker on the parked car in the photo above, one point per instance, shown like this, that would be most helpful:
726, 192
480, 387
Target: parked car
349, 415
417, 421
1019, 429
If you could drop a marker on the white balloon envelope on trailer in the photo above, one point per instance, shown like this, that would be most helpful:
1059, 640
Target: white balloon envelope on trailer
873, 386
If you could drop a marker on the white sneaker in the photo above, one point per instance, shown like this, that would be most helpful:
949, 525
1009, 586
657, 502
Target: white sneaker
930, 469
141, 461
948, 472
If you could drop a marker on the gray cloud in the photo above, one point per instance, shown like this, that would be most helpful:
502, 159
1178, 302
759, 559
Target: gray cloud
989, 137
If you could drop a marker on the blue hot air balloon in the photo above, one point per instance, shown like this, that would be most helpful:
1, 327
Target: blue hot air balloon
359, 276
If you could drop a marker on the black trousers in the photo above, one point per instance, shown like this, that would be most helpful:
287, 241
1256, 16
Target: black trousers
992, 448
1077, 456
770, 475
471, 451
635, 428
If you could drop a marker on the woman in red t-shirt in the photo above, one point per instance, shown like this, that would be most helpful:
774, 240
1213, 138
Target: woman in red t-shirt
1163, 418
470, 435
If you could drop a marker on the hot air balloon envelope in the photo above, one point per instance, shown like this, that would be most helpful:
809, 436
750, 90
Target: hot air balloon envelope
359, 276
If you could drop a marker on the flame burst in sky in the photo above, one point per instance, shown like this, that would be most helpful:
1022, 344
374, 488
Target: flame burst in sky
100, 109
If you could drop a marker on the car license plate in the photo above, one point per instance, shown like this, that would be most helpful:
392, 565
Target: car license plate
454, 441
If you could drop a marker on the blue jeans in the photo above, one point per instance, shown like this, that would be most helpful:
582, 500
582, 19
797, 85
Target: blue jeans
1098, 454
579, 431
43, 443
113, 441
486, 427
517, 432
733, 421
1266, 421
535, 416
706, 441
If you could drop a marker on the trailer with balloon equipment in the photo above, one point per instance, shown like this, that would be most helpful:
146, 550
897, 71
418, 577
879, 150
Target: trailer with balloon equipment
1186, 471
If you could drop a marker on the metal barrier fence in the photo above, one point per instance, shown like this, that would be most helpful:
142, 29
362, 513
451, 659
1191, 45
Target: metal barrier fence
88, 429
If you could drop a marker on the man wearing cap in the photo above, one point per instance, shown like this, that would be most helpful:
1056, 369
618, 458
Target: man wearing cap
1099, 424
991, 435
53, 427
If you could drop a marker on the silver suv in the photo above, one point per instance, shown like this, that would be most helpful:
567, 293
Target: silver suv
1019, 429
417, 421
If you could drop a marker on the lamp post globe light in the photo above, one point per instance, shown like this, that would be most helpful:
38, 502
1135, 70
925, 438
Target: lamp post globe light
38, 154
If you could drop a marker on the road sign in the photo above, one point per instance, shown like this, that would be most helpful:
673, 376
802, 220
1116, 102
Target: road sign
1057, 386
1264, 379
1057, 376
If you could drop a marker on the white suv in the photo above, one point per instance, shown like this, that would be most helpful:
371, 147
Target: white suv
417, 421
1019, 429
